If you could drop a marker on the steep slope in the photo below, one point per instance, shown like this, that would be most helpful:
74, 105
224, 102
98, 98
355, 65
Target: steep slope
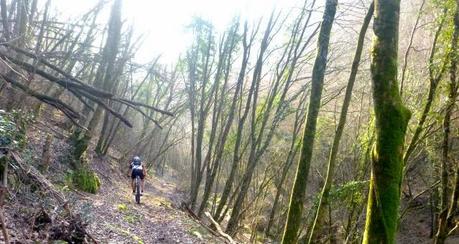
111, 216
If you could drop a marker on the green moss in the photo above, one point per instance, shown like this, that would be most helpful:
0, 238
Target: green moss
391, 120
82, 177
86, 180
387, 164
80, 141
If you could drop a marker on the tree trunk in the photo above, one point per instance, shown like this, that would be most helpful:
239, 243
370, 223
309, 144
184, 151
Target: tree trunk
236, 157
203, 105
6, 25
224, 68
323, 201
247, 177
294, 148
391, 119
299, 188
442, 232
46, 153
20, 32
105, 77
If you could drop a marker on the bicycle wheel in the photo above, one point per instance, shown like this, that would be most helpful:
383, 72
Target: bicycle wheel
137, 190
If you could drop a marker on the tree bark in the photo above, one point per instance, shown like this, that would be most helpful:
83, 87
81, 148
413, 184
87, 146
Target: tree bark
104, 77
299, 188
46, 153
294, 148
201, 98
391, 119
213, 163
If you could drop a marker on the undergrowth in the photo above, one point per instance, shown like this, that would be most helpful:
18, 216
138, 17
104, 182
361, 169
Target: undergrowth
13, 126
85, 180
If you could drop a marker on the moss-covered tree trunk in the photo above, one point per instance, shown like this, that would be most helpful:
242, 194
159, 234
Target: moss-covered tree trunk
391, 119
299, 188
448, 201
324, 201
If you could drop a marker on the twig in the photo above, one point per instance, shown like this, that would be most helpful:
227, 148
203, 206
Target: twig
219, 229
125, 101
196, 218
453, 229
415, 197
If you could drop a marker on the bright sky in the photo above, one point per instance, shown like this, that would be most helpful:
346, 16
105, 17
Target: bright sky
164, 21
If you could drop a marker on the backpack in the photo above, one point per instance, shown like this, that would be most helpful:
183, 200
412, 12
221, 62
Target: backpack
136, 165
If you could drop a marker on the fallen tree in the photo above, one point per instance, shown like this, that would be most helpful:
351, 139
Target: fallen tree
70, 83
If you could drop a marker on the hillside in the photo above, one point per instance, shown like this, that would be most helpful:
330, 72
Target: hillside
109, 216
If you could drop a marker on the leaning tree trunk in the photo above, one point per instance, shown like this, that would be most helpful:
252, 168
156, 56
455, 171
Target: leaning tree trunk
434, 80
104, 80
246, 45
391, 120
254, 137
324, 201
318, 73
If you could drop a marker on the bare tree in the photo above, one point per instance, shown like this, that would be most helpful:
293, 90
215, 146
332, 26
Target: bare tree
296, 200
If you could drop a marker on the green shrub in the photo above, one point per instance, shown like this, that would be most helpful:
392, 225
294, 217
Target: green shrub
86, 180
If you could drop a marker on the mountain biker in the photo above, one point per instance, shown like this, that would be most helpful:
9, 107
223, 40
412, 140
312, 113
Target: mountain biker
137, 168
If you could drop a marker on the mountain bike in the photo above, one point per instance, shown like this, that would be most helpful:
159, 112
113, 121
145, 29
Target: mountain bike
137, 189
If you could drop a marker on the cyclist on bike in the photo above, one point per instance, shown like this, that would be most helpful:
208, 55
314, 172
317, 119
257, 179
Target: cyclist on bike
137, 168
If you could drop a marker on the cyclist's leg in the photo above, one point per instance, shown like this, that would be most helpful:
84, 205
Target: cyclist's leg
142, 184
133, 185
133, 180
142, 181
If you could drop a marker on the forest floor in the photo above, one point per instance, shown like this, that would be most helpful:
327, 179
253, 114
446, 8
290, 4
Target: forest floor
110, 216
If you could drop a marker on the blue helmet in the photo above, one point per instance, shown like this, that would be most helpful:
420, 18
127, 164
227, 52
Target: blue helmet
136, 159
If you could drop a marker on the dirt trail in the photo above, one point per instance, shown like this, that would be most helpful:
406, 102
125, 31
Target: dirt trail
116, 218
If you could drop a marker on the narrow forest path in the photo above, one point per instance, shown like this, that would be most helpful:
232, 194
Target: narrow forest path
116, 218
